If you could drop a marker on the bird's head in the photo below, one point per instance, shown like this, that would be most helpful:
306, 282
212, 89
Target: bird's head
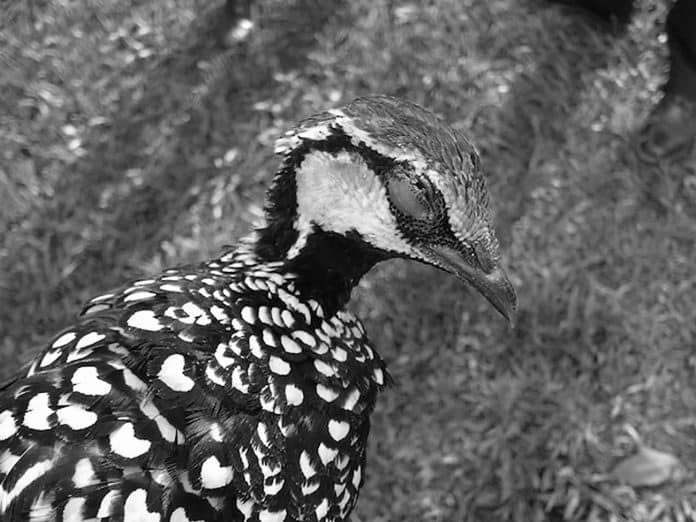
396, 179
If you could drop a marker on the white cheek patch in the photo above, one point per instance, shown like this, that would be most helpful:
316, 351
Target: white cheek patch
340, 193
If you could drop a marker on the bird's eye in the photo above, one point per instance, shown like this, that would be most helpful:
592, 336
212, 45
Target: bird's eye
409, 197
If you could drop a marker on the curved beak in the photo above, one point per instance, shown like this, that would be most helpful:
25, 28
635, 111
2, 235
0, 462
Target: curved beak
493, 284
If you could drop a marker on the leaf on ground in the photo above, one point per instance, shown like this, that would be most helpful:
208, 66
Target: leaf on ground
648, 468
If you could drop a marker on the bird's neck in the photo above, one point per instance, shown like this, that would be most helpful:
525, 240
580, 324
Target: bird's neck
326, 266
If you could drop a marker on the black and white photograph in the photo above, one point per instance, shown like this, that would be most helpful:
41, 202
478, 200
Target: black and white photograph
348, 261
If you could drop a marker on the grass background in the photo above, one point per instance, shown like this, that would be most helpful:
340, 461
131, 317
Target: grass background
137, 137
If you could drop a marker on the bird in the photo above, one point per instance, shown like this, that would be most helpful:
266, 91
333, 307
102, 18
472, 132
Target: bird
241, 388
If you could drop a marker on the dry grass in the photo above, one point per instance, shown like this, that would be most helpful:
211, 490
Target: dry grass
485, 423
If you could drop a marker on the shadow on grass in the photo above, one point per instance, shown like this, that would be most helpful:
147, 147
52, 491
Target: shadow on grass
567, 46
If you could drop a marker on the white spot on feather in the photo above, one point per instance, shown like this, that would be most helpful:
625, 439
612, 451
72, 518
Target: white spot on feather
219, 314
7, 462
357, 477
212, 374
378, 375
89, 339
76, 417
64, 339
72, 512
145, 320
124, 442
326, 393
273, 486
278, 365
305, 338
237, 380
309, 487
351, 399
255, 346
289, 345
50, 357
138, 296
179, 515
106, 504
248, 315
84, 473
265, 315
339, 354
222, 359
41, 509
246, 507
293, 395
338, 429
215, 432
324, 368
306, 466
322, 509
133, 381
171, 288
172, 374
8, 426
326, 454
213, 475
288, 319
38, 412
135, 508
86, 380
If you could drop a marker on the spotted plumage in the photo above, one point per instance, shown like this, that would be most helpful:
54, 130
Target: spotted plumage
241, 389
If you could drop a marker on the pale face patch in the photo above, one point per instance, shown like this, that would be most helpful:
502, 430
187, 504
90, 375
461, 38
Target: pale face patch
340, 193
